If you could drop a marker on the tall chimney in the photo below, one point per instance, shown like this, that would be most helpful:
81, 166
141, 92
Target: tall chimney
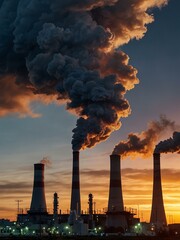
55, 208
55, 204
158, 216
38, 202
75, 193
115, 213
90, 202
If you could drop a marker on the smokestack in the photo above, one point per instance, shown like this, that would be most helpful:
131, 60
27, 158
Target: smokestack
75, 194
90, 202
158, 216
115, 216
55, 208
55, 204
38, 202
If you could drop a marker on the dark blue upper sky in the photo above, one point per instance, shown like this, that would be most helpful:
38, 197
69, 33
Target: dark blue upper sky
157, 58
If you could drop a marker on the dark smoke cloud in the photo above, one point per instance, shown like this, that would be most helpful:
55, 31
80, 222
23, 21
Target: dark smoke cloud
169, 145
127, 19
68, 49
143, 143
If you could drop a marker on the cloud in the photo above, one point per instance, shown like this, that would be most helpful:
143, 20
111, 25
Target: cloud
14, 187
6, 209
127, 20
95, 173
17, 98
68, 49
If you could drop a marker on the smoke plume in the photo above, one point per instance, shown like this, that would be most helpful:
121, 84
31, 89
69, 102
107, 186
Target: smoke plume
46, 162
17, 99
143, 143
169, 145
68, 49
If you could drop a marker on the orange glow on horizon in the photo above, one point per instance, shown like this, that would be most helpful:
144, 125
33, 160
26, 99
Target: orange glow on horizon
136, 183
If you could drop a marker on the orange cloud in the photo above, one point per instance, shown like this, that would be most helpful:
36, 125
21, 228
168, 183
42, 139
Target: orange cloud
128, 19
18, 98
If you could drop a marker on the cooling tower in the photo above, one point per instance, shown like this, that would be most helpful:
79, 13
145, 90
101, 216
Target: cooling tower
38, 202
75, 192
115, 213
158, 216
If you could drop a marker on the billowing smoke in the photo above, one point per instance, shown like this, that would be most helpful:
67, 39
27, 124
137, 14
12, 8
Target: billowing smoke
143, 143
169, 145
46, 162
68, 49
17, 99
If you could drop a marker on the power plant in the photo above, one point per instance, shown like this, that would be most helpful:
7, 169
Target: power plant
117, 219
158, 216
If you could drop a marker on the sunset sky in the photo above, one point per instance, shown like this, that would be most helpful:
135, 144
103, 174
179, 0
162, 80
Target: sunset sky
26, 140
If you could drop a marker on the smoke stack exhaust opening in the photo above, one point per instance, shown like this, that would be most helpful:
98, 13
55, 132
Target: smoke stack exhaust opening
46, 161
38, 202
75, 192
158, 216
115, 217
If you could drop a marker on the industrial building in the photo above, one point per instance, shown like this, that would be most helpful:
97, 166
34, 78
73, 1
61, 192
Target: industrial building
117, 219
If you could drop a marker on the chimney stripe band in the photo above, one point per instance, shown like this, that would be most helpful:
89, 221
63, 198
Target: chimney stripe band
38, 184
39, 166
115, 183
75, 185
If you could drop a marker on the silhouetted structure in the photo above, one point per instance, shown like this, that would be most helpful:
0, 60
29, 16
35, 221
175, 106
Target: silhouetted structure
90, 202
38, 202
158, 216
116, 216
75, 192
